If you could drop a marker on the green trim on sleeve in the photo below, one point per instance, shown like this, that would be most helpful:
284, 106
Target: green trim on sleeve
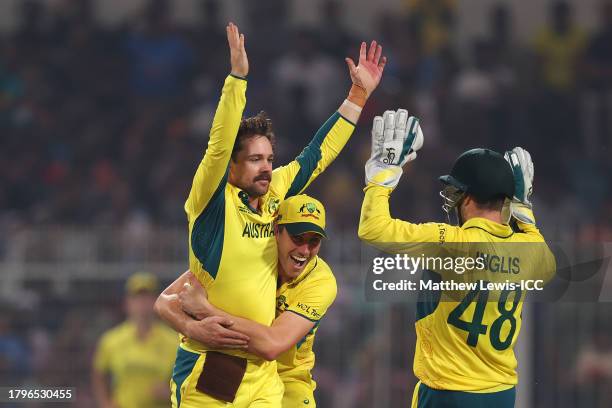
310, 156
311, 332
209, 229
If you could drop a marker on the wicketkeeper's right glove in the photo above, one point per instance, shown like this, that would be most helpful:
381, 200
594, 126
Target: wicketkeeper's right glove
522, 167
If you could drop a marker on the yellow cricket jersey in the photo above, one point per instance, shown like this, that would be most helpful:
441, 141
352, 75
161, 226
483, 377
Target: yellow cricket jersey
309, 295
465, 340
558, 54
232, 249
136, 365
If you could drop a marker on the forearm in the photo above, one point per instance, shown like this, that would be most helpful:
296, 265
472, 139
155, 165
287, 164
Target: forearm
375, 216
212, 169
265, 341
378, 228
168, 307
100, 389
350, 112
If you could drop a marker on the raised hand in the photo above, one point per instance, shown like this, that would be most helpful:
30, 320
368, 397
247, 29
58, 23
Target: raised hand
371, 65
238, 55
396, 137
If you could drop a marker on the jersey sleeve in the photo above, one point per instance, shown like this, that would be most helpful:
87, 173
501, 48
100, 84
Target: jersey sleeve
314, 298
531, 231
377, 228
101, 360
211, 174
544, 261
325, 146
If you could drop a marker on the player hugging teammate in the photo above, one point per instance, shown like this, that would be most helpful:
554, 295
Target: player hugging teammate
233, 207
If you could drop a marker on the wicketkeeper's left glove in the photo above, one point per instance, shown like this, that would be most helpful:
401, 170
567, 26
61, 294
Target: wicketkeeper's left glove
395, 141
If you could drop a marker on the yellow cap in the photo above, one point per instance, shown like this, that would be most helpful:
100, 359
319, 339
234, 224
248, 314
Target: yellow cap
302, 213
141, 282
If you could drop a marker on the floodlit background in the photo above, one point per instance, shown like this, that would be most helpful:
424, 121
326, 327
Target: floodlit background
105, 108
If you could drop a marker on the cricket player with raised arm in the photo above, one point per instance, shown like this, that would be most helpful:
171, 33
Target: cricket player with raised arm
465, 346
231, 207
306, 289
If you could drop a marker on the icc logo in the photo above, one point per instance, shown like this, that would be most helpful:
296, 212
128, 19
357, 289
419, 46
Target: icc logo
390, 155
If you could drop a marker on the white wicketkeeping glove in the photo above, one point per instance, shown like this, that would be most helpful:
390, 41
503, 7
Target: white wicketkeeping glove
395, 141
522, 167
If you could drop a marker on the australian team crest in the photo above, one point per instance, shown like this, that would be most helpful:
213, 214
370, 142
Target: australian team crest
273, 204
310, 210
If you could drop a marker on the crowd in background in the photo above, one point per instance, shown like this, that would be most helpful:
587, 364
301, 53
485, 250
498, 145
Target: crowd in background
105, 126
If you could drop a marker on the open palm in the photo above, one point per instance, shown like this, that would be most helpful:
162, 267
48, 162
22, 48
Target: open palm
371, 65
238, 55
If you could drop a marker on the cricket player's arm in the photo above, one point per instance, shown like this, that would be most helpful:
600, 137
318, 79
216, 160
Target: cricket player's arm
295, 177
268, 342
331, 137
539, 250
211, 175
215, 332
377, 228
100, 375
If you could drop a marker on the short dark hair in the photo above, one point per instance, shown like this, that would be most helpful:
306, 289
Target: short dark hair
258, 125
495, 203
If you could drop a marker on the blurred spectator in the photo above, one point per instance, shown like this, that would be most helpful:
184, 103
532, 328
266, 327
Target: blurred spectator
435, 20
14, 352
597, 118
137, 355
483, 99
594, 370
269, 27
335, 37
160, 59
558, 48
208, 34
309, 82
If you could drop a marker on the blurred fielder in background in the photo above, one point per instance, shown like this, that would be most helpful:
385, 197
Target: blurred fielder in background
133, 360
306, 289
465, 347
231, 208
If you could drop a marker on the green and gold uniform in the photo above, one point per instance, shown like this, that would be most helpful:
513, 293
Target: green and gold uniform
136, 365
464, 345
309, 295
232, 249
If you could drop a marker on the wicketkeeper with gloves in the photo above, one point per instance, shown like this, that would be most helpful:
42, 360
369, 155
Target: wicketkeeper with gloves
465, 344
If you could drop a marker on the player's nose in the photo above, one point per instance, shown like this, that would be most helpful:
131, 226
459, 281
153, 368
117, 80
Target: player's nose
303, 249
266, 167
